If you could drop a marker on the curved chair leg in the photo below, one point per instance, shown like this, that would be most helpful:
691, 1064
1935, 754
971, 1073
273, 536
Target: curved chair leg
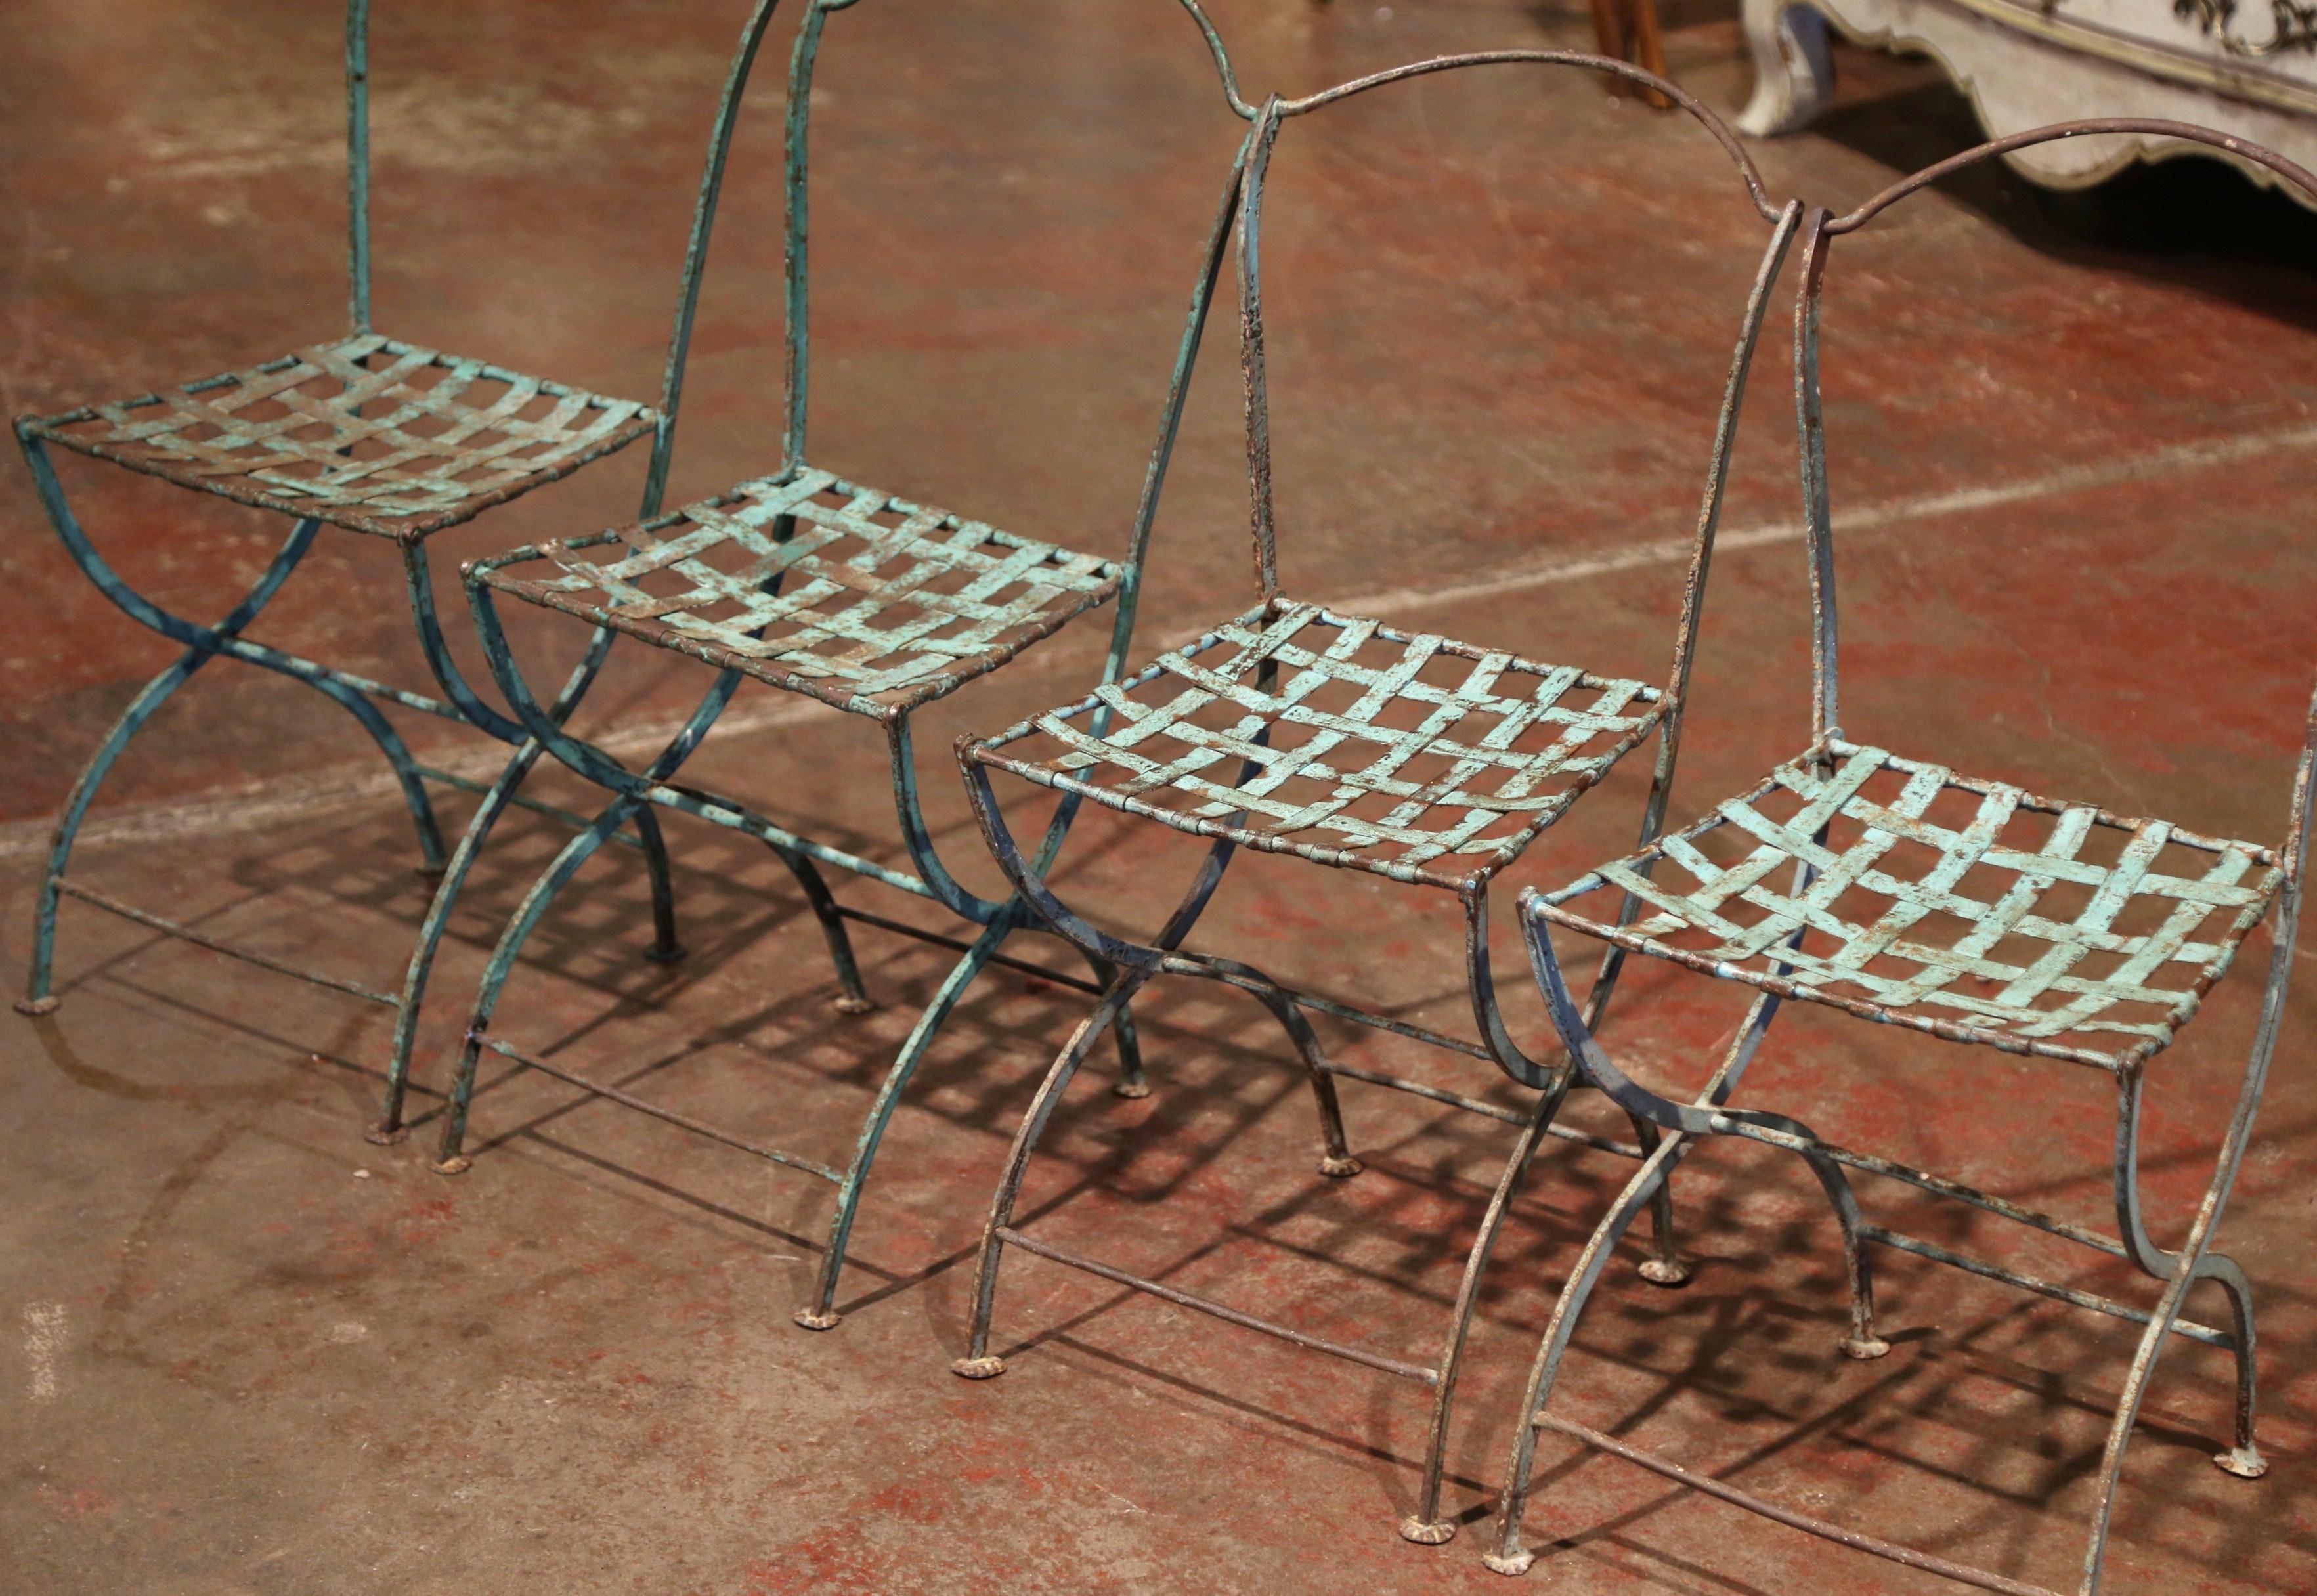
2192, 1263
1667, 1268
38, 997
1664, 1268
1424, 1525
853, 996
821, 1313
451, 1158
2243, 1459
1862, 1342
664, 947
1335, 1160
1102, 952
204, 645
389, 1128
1511, 1556
977, 1364
1131, 1081
224, 637
373, 720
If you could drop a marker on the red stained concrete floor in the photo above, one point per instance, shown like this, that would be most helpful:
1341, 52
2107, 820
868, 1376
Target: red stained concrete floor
246, 1351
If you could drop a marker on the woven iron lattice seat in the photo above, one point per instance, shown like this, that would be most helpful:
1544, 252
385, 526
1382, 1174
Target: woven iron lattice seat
1967, 908
810, 583
366, 433
1407, 755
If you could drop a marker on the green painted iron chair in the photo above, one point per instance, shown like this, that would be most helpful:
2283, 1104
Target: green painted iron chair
1968, 909
850, 596
391, 440
1335, 739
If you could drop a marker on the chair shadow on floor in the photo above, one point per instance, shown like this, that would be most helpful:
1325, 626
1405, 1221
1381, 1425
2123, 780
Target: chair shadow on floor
1220, 1093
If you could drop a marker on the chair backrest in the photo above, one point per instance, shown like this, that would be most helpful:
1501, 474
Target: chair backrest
1819, 230
695, 257
1783, 223
795, 370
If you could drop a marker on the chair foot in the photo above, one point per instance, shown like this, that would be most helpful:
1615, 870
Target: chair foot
2244, 1462
978, 1369
814, 1319
1515, 1565
1671, 1273
386, 1136
1340, 1169
1427, 1532
432, 872
1130, 1089
1864, 1348
457, 1163
849, 1005
670, 953
38, 1006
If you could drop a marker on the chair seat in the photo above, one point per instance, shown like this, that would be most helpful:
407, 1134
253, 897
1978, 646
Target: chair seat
365, 433
1966, 908
813, 584
1296, 730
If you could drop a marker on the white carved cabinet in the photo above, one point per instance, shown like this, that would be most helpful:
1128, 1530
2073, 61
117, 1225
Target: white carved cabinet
2248, 71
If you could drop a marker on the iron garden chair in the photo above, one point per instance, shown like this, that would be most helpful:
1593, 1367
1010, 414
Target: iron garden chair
865, 602
1297, 730
380, 437
1968, 909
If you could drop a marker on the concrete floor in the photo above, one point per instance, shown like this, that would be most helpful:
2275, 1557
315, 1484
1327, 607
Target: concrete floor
248, 1351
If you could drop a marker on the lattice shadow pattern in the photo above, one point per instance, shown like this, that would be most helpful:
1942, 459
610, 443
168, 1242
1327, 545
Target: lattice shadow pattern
1967, 908
810, 583
367, 434
1401, 754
